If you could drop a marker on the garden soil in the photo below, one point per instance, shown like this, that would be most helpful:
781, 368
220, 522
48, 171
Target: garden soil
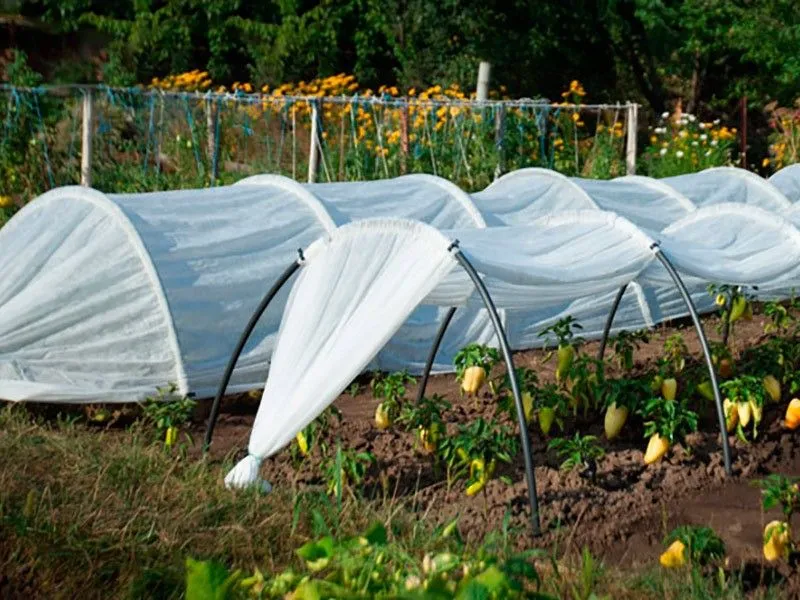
621, 515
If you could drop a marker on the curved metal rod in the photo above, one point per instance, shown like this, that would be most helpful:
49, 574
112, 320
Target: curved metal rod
432, 355
248, 330
610, 321
512, 375
726, 450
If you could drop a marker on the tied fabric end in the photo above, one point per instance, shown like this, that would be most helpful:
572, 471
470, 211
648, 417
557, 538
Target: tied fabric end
245, 475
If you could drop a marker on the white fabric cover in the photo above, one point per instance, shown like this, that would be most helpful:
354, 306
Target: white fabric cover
521, 196
729, 184
107, 297
425, 198
647, 202
787, 180
372, 274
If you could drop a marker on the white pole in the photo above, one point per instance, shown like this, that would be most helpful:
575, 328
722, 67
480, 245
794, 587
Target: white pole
630, 145
86, 140
313, 149
484, 71
499, 140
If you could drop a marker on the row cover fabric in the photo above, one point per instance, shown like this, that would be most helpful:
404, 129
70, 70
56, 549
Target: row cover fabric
108, 296
361, 282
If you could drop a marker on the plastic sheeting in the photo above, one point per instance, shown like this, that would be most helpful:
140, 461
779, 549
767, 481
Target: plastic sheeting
108, 296
348, 302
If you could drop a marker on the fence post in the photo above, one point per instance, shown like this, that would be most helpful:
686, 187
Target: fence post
632, 122
313, 148
212, 114
404, 138
86, 139
482, 91
499, 139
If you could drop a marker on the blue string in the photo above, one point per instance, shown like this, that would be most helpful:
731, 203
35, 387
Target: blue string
190, 121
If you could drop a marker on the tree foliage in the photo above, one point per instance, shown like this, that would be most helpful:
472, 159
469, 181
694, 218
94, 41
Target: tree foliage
706, 52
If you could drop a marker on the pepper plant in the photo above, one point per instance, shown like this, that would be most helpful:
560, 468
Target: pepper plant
168, 410
391, 390
426, 420
666, 422
528, 381
734, 302
585, 382
475, 451
578, 451
564, 331
345, 469
311, 437
474, 363
781, 317
779, 490
702, 546
744, 402
625, 344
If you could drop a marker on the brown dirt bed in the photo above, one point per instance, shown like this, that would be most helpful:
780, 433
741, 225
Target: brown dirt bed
622, 516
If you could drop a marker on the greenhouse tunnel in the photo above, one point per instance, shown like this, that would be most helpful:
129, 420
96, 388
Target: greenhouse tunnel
123, 293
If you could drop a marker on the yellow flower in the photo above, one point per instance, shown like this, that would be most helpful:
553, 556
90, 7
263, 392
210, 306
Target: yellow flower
576, 117
412, 92
765, 162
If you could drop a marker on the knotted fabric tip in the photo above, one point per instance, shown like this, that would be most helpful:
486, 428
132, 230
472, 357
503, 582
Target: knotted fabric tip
245, 474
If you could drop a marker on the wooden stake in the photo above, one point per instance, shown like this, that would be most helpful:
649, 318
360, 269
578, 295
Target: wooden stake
86, 140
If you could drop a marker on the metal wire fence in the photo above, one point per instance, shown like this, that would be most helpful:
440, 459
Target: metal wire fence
142, 140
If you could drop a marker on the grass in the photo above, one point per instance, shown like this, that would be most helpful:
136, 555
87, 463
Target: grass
94, 513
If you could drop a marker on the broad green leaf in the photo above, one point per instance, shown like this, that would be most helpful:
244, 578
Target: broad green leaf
207, 580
